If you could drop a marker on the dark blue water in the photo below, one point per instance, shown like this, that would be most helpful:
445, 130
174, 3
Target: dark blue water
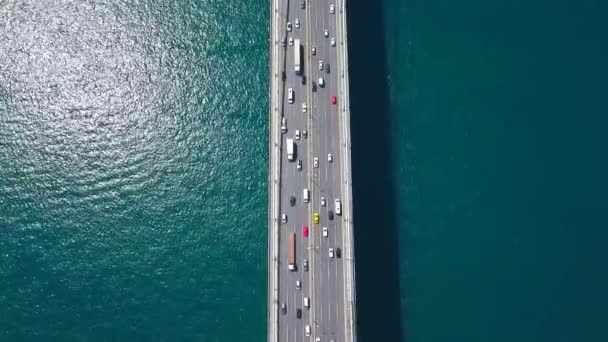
496, 147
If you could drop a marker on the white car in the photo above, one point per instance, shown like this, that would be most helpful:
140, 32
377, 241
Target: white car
284, 218
289, 26
331, 253
326, 33
321, 65
323, 201
321, 82
314, 51
330, 158
299, 165
333, 41
297, 23
298, 284
315, 162
297, 135
332, 9
304, 107
324, 232
304, 134
290, 41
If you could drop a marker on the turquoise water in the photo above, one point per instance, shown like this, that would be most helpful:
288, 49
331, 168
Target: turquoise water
133, 156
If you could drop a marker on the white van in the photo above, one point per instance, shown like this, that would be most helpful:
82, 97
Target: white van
307, 302
290, 95
307, 329
306, 195
338, 207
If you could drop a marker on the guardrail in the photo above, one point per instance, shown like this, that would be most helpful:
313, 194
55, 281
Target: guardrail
348, 232
274, 181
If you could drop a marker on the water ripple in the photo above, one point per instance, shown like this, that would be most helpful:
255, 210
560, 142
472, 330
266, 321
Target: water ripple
132, 170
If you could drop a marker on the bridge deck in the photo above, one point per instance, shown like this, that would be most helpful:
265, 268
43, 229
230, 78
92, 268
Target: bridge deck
329, 282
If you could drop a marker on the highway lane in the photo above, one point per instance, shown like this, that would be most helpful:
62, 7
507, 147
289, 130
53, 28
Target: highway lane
325, 281
293, 181
328, 271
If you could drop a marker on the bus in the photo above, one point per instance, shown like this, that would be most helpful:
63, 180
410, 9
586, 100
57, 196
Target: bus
297, 56
292, 252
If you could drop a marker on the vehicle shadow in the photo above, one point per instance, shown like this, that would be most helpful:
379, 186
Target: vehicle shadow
379, 316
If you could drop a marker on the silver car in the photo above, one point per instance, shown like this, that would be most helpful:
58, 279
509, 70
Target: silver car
315, 162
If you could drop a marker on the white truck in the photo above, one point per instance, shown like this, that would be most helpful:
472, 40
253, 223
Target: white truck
297, 57
291, 150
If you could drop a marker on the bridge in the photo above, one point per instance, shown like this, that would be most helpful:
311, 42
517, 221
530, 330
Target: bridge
311, 282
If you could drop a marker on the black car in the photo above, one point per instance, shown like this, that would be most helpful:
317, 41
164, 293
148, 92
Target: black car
283, 76
303, 79
299, 313
331, 215
338, 252
314, 86
292, 200
327, 68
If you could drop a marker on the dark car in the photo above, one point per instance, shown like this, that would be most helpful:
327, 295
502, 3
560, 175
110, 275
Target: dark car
303, 79
292, 200
338, 252
283, 76
327, 68
299, 313
331, 215
314, 86
302, 4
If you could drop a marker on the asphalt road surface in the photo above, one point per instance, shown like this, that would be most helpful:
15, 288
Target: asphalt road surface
324, 282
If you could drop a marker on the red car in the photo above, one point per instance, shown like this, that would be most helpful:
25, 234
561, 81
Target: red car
305, 231
333, 100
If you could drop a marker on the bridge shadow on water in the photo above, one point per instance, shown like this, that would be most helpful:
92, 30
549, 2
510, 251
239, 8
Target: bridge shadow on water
376, 237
